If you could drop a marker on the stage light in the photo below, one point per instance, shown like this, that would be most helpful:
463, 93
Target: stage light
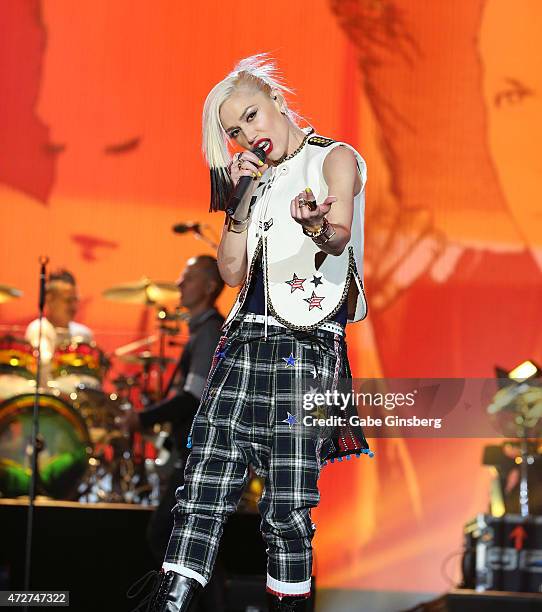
527, 370
523, 371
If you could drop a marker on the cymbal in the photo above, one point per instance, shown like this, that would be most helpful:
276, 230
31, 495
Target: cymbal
144, 291
8, 293
146, 358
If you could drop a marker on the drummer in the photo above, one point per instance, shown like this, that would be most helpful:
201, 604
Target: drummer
58, 326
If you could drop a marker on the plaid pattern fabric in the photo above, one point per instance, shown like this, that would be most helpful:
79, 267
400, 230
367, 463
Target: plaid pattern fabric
248, 415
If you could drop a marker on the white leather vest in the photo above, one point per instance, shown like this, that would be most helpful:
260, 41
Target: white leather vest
303, 285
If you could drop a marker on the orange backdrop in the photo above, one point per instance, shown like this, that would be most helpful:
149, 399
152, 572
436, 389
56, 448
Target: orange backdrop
100, 155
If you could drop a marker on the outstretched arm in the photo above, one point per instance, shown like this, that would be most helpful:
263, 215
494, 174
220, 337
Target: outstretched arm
342, 177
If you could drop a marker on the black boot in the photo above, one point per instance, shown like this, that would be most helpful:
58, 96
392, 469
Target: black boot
171, 593
288, 603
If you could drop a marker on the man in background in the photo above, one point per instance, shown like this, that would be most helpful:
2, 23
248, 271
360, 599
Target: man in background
58, 325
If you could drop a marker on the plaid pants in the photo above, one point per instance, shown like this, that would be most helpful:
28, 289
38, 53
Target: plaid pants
248, 416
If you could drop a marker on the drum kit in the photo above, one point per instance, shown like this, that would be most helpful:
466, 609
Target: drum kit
84, 452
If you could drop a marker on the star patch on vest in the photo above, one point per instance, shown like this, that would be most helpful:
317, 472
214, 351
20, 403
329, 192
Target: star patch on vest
314, 301
320, 141
296, 283
316, 280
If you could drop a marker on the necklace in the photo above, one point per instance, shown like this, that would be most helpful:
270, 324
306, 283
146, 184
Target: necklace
287, 157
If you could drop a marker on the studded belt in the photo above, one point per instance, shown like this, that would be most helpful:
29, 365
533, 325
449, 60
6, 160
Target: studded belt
251, 317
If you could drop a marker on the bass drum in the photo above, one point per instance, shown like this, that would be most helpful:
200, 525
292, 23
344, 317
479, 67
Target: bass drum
64, 441
17, 367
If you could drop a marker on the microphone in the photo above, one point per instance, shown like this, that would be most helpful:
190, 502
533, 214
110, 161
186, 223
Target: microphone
183, 228
243, 184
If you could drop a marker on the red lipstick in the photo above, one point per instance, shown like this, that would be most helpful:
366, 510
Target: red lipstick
265, 144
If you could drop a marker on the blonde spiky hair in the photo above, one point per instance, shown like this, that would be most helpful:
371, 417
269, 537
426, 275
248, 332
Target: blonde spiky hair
259, 71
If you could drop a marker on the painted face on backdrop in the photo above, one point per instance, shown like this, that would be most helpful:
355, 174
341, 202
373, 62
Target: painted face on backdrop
512, 84
252, 117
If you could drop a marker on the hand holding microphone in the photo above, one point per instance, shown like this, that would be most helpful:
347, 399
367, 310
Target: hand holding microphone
246, 168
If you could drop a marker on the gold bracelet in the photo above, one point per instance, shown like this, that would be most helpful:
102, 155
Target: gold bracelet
237, 227
324, 233
318, 232
313, 233
325, 236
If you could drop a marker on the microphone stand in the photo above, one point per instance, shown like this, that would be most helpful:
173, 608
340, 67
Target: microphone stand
202, 237
35, 432
197, 230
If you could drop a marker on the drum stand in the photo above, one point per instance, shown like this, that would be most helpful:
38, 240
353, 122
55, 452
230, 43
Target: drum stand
526, 460
36, 446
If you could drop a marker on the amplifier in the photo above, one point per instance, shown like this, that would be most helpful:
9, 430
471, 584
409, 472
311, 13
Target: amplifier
463, 600
503, 553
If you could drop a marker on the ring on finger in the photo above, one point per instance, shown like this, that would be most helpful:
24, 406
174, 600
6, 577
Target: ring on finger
302, 202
